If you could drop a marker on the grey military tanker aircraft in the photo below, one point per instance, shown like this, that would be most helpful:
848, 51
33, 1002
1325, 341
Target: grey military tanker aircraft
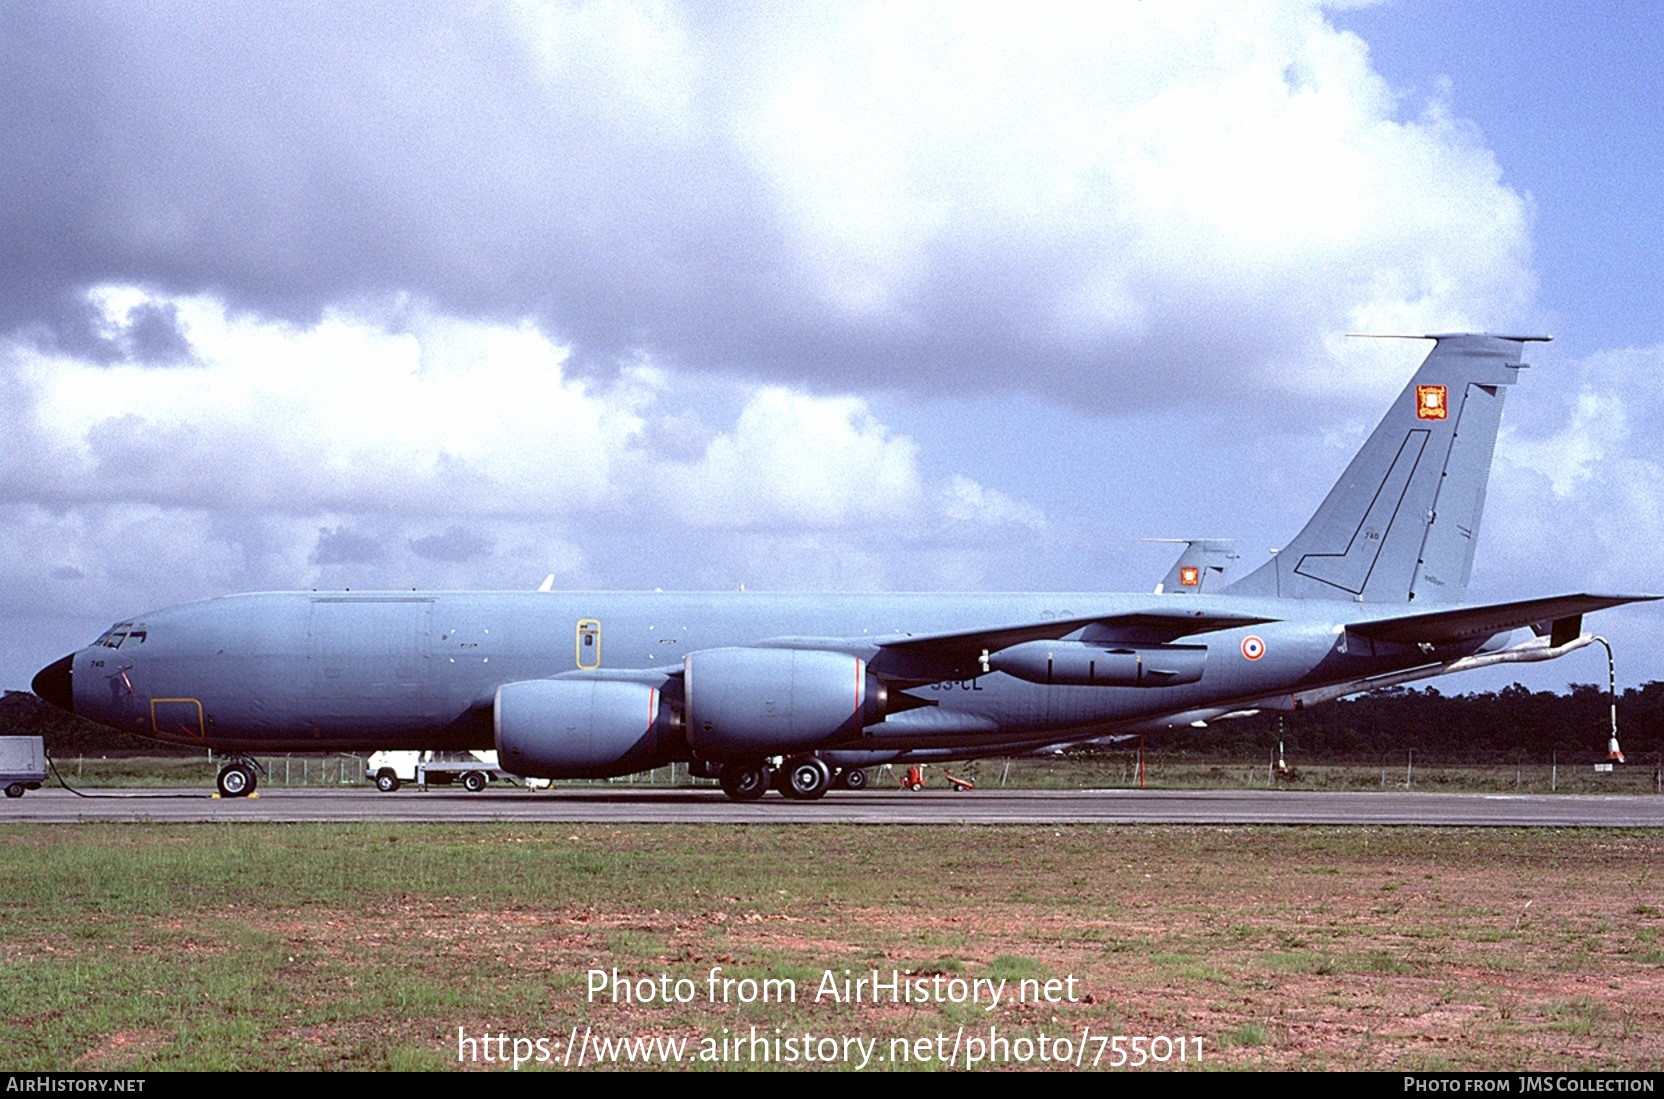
764, 690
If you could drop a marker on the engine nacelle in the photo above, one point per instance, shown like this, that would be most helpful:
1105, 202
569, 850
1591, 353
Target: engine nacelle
579, 728
746, 704
1077, 664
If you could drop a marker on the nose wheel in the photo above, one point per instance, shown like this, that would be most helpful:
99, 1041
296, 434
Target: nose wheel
237, 779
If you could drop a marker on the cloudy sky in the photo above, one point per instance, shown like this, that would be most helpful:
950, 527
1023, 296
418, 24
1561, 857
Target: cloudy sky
809, 297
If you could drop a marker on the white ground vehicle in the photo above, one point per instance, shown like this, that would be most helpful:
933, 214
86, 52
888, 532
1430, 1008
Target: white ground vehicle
474, 770
22, 764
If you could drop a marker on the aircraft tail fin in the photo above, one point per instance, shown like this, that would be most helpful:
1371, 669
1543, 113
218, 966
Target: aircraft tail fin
1201, 567
1401, 523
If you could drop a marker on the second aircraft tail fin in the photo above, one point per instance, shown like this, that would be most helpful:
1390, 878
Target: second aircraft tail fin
1201, 567
1401, 523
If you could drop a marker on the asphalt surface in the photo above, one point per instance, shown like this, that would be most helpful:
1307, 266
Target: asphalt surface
702, 806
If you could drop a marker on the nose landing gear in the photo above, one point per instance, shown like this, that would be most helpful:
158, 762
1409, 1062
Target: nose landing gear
238, 778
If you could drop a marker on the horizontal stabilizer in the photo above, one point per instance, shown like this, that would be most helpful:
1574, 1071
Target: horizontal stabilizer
1468, 623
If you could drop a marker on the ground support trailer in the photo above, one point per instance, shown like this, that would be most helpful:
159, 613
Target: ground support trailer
22, 764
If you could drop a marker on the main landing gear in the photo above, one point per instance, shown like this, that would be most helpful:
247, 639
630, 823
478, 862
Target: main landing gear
806, 778
800, 778
746, 781
238, 778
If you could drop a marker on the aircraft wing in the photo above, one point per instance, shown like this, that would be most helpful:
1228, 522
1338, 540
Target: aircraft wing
958, 655
1468, 623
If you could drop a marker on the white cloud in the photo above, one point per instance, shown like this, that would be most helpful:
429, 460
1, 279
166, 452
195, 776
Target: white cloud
1097, 202
419, 450
798, 461
964, 500
444, 414
1578, 487
1569, 457
440, 416
1173, 182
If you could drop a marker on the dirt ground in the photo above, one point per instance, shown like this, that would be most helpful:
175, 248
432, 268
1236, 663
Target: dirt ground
1264, 948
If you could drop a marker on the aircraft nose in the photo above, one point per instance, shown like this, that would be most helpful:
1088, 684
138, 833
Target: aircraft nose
55, 685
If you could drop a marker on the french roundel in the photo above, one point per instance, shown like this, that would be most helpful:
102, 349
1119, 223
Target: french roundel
1252, 647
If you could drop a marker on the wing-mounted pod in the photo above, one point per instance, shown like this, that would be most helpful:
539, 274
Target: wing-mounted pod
1081, 664
581, 728
746, 704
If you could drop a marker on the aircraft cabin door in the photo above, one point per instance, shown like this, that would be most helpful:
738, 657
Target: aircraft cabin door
589, 643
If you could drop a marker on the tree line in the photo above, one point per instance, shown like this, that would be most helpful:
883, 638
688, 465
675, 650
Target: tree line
1486, 726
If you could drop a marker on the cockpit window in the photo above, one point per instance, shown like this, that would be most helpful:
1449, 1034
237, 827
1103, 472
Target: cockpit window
115, 635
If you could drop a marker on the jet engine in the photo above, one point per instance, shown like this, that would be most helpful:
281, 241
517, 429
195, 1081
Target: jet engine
1078, 664
579, 728
746, 704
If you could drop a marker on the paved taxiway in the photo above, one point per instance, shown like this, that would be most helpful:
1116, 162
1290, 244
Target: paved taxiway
843, 807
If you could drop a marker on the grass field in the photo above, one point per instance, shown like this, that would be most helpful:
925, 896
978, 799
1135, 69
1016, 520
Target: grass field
375, 946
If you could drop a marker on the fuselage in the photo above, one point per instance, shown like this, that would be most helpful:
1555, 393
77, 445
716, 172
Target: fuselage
362, 671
